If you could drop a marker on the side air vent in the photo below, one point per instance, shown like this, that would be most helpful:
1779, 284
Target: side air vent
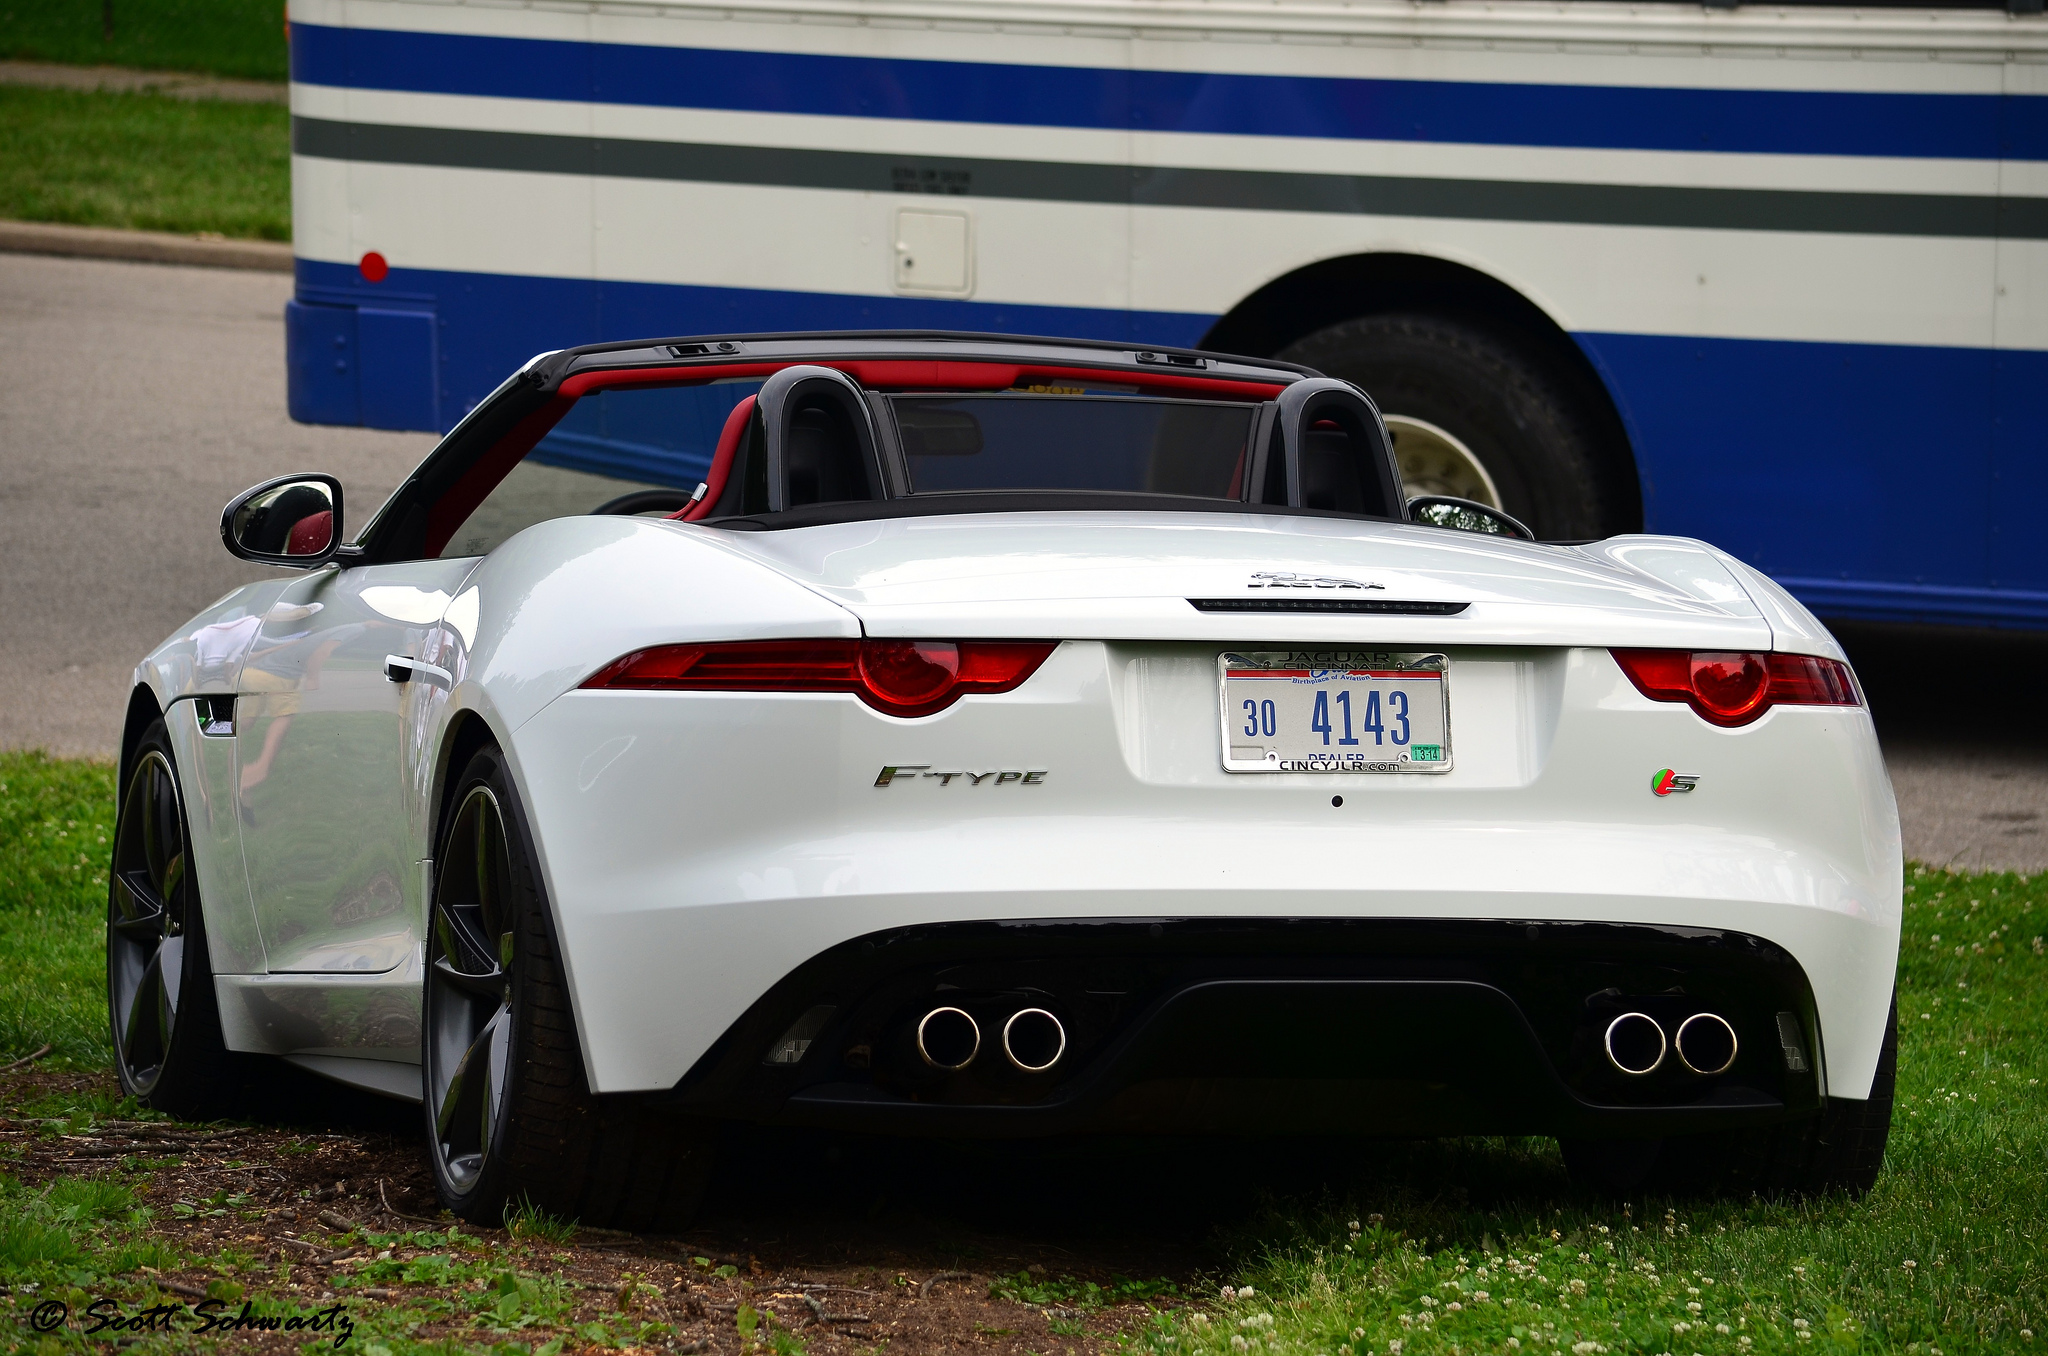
1384, 606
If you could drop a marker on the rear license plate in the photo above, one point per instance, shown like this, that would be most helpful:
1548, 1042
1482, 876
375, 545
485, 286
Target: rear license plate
1335, 711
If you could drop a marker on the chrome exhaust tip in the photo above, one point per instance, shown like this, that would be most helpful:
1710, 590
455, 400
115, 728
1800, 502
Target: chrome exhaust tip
948, 1039
1034, 1040
1706, 1043
1635, 1044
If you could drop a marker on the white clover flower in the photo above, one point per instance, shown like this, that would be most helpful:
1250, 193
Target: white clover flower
1429, 1301
1578, 1287
1692, 1306
1803, 1335
1480, 1295
1238, 1343
1721, 1328
1394, 1347
1514, 1344
1801, 1323
1352, 1226
1453, 1307
1374, 1219
1245, 1292
1681, 1327
1229, 1293
1357, 1333
1909, 1264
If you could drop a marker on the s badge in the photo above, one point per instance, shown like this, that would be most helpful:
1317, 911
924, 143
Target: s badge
1669, 783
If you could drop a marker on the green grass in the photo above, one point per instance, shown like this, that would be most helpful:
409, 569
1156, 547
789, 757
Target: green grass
145, 162
1435, 1225
56, 826
220, 37
1481, 1246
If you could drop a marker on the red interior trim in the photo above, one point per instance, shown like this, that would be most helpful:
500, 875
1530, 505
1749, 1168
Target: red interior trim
453, 508
721, 461
584, 382
958, 375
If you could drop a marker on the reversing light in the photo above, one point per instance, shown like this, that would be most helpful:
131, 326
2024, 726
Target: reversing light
899, 677
1734, 688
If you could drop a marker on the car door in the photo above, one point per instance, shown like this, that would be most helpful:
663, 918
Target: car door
331, 833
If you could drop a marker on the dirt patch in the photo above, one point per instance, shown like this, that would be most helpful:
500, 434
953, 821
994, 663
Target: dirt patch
846, 1245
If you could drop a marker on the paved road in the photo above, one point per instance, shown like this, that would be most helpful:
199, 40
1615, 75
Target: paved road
135, 400
139, 397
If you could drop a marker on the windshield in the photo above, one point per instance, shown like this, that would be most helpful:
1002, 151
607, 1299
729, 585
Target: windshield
1041, 442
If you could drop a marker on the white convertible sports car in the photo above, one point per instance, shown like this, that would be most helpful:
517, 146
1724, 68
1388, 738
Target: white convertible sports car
1004, 737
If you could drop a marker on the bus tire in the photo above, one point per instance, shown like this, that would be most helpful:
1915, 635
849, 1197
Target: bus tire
1501, 407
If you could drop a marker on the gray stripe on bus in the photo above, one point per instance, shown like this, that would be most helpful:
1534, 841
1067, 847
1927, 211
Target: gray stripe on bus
1735, 209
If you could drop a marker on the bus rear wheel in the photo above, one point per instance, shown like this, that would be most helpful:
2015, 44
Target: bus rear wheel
1473, 415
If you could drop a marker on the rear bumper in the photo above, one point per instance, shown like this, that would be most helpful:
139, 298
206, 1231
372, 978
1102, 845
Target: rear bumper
700, 849
1388, 1027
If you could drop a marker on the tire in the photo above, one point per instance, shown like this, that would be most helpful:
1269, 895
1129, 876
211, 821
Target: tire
1456, 393
510, 1118
165, 1017
1840, 1150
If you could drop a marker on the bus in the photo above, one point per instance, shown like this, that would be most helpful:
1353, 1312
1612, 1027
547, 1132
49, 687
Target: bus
1771, 276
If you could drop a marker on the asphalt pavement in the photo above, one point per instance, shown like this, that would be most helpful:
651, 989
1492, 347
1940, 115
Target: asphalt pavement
135, 401
138, 398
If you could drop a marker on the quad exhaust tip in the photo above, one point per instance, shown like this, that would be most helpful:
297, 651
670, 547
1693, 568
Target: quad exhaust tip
948, 1039
1034, 1040
1635, 1044
1706, 1043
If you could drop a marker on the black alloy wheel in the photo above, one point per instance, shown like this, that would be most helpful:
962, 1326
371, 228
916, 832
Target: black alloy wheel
469, 991
160, 999
510, 1117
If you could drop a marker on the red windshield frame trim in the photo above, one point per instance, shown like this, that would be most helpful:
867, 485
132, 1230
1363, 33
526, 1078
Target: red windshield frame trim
951, 374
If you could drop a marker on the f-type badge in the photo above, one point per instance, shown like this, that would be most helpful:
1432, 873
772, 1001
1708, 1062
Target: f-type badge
1002, 776
1669, 783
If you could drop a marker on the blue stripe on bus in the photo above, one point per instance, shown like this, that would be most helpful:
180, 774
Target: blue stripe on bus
1811, 461
1814, 462
1788, 122
490, 324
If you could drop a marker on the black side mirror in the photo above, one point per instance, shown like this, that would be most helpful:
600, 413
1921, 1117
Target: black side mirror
293, 521
1464, 515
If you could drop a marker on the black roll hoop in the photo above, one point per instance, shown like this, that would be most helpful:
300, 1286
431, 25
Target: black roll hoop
1305, 404
792, 391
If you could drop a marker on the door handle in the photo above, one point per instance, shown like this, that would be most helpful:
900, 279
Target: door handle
400, 669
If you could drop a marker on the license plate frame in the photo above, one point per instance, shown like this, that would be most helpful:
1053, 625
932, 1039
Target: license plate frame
1290, 674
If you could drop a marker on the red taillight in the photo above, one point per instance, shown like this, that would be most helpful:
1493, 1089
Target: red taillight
900, 677
1735, 688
